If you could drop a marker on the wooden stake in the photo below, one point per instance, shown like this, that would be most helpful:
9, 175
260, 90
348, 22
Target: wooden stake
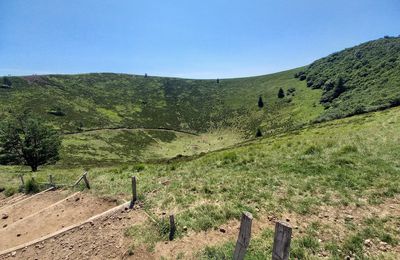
282, 238
172, 227
86, 180
134, 193
244, 236
51, 181
22, 180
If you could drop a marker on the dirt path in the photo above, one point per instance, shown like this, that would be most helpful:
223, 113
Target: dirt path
133, 129
101, 238
24, 208
73, 209
6, 201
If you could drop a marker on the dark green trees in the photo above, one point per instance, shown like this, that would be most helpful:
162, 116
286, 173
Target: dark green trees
260, 102
258, 133
333, 90
7, 81
281, 93
27, 141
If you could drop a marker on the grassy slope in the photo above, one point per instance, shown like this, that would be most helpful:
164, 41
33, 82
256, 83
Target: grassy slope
93, 101
349, 162
370, 72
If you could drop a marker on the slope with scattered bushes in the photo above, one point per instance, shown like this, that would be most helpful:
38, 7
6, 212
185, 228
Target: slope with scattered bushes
357, 80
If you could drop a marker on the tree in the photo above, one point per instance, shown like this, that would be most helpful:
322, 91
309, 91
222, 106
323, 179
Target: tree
258, 134
281, 93
7, 81
217, 81
260, 102
25, 140
145, 75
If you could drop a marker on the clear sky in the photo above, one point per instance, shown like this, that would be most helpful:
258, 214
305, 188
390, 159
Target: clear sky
184, 38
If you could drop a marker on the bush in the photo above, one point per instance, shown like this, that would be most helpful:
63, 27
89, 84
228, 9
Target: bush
10, 191
260, 102
281, 93
31, 186
258, 134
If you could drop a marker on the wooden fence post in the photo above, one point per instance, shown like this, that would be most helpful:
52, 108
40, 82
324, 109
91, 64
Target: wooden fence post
243, 240
134, 193
51, 181
22, 180
172, 227
86, 180
282, 238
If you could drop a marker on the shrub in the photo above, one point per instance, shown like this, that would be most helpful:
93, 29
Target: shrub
260, 102
31, 186
258, 133
10, 191
312, 150
281, 93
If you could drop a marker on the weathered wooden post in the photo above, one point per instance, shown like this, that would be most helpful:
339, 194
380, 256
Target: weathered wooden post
134, 193
22, 180
243, 240
85, 179
51, 181
172, 227
282, 238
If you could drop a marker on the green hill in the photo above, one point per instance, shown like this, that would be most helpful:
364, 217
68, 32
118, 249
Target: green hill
112, 118
132, 113
357, 80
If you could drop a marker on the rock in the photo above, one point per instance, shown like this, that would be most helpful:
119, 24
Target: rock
185, 228
349, 217
367, 242
5, 225
77, 199
14, 253
222, 230
4, 216
18, 235
287, 220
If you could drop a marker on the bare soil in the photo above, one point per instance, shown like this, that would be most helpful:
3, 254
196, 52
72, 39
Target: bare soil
28, 205
46, 220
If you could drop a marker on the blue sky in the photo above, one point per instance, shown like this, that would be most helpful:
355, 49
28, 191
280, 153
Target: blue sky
183, 38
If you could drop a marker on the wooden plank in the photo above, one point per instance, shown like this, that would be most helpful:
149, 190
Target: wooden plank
79, 180
172, 227
134, 192
282, 238
85, 179
243, 240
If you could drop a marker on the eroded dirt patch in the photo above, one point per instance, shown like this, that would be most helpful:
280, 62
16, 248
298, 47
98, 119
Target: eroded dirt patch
102, 238
29, 205
74, 209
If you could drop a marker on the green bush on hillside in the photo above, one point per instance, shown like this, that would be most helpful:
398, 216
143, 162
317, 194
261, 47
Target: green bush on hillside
357, 80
